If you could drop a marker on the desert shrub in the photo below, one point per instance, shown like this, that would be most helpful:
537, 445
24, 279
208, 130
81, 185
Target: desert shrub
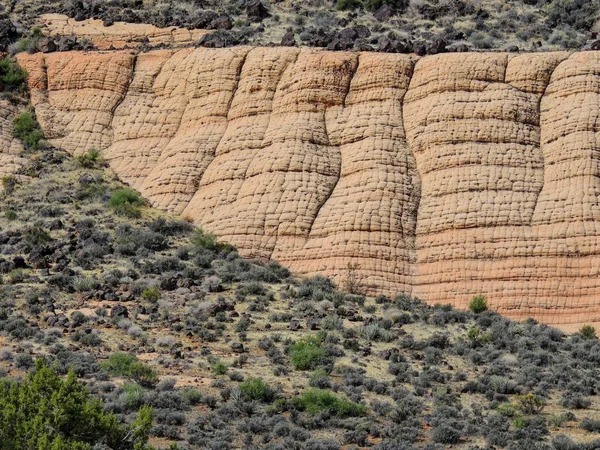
344, 5
588, 332
84, 284
375, 332
208, 241
10, 214
591, 425
319, 379
315, 401
28, 43
27, 130
529, 403
129, 240
45, 411
126, 202
191, 396
307, 353
478, 304
24, 361
171, 227
580, 14
90, 159
220, 368
257, 389
12, 75
36, 236
574, 401
151, 294
126, 365
332, 323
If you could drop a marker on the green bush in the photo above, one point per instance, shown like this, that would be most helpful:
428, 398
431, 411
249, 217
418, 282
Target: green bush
314, 401
588, 332
27, 130
10, 214
208, 241
478, 304
46, 412
30, 42
90, 159
126, 365
529, 403
12, 75
126, 202
344, 5
151, 294
257, 389
220, 368
307, 354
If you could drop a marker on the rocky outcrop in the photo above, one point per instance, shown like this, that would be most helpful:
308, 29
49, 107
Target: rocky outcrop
445, 177
118, 35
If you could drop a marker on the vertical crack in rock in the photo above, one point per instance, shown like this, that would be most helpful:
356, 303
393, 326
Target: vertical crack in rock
197, 180
415, 194
353, 70
213, 79
122, 98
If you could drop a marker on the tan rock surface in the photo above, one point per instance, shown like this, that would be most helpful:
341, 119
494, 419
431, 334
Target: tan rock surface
120, 35
10, 148
446, 177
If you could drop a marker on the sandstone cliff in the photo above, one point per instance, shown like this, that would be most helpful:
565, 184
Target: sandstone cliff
445, 177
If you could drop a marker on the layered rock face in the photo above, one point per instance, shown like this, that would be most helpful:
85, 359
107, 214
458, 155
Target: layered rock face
119, 35
443, 177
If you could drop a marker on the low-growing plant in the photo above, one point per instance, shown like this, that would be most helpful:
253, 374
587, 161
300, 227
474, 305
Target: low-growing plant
307, 353
315, 401
588, 332
126, 202
90, 159
257, 389
151, 294
126, 365
529, 403
12, 75
27, 130
220, 368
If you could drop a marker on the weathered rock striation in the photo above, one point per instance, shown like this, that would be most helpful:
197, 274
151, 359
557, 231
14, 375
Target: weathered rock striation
119, 35
444, 177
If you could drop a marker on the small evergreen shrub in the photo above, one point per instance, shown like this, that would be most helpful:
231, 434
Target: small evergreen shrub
478, 304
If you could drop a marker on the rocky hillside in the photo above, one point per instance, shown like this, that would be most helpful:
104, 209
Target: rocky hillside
404, 26
229, 353
444, 177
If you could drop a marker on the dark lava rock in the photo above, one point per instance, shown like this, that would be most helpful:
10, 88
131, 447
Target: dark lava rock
512, 49
436, 46
220, 39
237, 347
595, 45
294, 325
119, 311
47, 45
362, 31
256, 11
383, 13
205, 19
288, 39
223, 22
